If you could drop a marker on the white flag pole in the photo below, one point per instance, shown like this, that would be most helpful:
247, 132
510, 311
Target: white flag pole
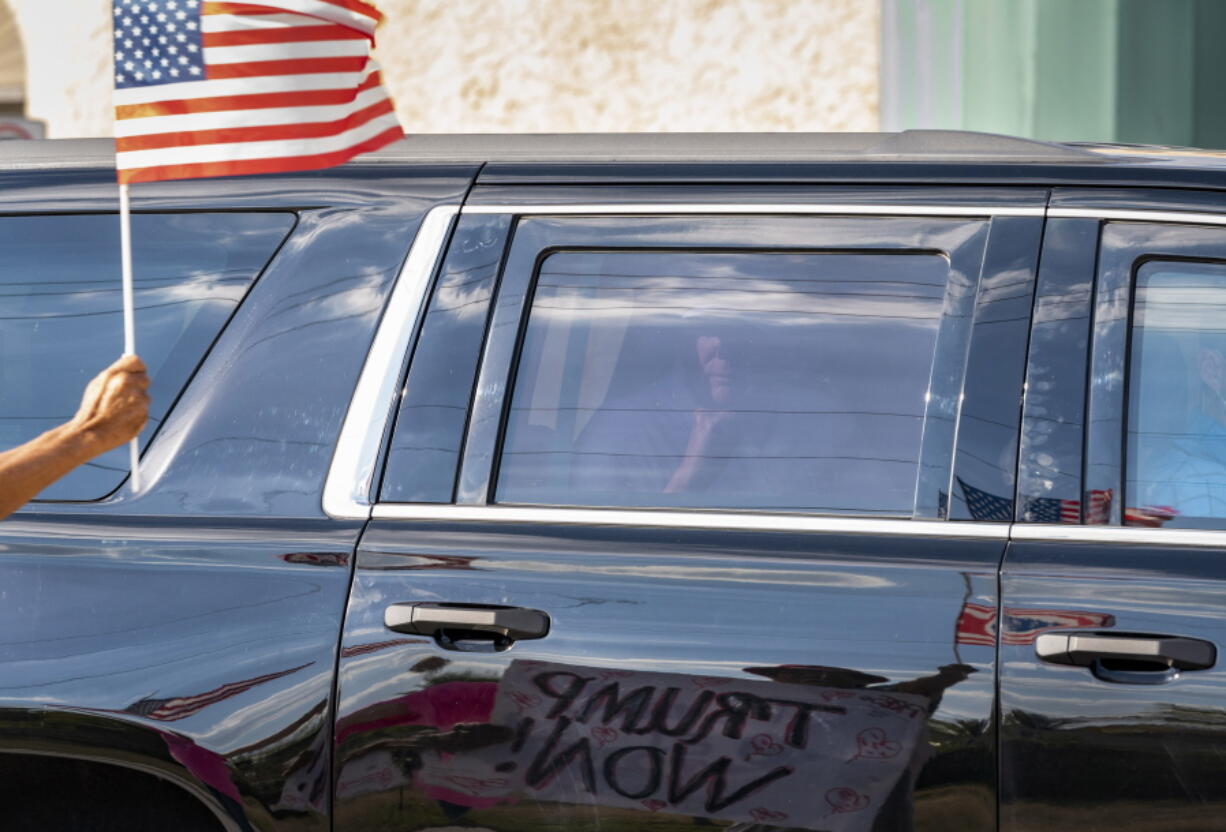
129, 309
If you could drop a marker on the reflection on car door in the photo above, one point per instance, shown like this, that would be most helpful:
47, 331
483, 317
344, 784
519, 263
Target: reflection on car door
692, 557
1111, 687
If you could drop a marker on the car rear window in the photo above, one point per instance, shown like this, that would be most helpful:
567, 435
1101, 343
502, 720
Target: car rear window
61, 316
791, 381
1175, 459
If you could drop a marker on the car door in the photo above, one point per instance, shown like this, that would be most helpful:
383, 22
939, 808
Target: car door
1111, 689
692, 514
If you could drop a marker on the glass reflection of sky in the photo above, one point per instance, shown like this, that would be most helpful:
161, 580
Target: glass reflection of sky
830, 358
60, 318
1176, 454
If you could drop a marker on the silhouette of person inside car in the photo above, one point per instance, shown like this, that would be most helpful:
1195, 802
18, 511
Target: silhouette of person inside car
673, 433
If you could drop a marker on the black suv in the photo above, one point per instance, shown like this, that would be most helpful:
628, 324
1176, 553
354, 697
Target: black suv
823, 482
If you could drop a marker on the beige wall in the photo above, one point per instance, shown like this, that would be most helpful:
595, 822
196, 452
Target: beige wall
68, 64
547, 65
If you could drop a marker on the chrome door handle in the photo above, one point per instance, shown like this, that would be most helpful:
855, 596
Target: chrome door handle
515, 623
1162, 652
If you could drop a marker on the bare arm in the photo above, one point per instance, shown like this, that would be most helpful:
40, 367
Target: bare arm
113, 411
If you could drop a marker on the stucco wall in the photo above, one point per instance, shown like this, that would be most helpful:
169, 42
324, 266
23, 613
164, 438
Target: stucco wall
547, 65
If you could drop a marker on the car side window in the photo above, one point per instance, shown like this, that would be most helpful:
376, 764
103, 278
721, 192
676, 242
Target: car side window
792, 381
61, 313
1175, 458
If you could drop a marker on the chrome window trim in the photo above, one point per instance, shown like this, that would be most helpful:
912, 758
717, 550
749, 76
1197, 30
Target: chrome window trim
630, 209
771, 522
1118, 534
350, 477
347, 489
695, 519
1189, 217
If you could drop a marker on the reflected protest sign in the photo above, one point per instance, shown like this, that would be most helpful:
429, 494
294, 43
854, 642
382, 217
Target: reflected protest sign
786, 755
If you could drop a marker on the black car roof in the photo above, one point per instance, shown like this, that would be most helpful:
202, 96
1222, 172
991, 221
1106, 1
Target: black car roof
906, 156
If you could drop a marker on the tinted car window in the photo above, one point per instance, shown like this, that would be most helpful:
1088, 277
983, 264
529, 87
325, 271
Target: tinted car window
425, 447
61, 323
787, 381
1176, 446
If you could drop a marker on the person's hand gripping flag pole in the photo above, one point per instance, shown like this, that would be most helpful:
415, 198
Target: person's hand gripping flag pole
226, 89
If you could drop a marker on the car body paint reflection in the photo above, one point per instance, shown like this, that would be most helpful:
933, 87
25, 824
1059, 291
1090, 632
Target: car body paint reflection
686, 745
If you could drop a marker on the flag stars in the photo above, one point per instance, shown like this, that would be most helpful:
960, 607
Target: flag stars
157, 42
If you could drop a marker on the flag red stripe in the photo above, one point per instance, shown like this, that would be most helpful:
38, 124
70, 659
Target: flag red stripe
258, 101
238, 8
216, 7
282, 164
359, 7
296, 66
287, 34
309, 130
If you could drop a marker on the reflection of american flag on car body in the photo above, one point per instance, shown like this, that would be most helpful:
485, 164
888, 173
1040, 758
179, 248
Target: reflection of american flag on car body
1053, 510
181, 707
221, 89
977, 623
1056, 510
986, 506
991, 507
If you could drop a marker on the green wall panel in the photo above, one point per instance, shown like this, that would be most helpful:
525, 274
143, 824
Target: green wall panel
1142, 71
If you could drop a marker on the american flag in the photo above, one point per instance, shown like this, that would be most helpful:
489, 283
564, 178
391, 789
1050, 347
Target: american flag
1150, 517
986, 506
1054, 510
977, 623
1057, 510
181, 707
223, 89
